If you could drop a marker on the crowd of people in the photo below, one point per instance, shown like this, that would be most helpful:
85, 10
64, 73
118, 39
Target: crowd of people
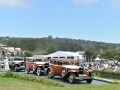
108, 66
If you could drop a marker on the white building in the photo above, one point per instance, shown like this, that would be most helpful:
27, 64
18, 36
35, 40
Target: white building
81, 55
66, 54
9, 51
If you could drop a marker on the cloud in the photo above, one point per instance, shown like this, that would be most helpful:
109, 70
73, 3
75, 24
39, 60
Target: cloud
85, 2
115, 4
15, 3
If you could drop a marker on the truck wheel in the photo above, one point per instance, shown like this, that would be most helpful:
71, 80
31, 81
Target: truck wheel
89, 80
50, 74
63, 72
71, 78
27, 70
15, 69
38, 71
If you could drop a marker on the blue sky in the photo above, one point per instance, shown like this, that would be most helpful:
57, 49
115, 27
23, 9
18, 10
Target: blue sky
96, 20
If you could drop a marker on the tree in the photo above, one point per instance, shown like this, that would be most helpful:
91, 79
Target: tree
28, 54
51, 50
111, 54
117, 57
90, 56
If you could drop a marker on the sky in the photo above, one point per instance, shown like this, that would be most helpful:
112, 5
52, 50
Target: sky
95, 20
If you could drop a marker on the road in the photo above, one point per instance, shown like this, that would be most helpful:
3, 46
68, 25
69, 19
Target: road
66, 83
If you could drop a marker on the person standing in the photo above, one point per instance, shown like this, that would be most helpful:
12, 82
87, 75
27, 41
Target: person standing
6, 63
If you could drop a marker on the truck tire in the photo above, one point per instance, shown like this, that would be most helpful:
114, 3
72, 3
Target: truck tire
89, 81
63, 72
71, 78
50, 74
38, 71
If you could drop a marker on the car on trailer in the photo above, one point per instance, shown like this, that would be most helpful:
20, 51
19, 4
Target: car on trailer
69, 69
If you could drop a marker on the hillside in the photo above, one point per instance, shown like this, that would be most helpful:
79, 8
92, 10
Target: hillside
41, 45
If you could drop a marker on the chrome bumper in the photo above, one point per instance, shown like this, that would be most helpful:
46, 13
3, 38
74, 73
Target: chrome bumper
82, 77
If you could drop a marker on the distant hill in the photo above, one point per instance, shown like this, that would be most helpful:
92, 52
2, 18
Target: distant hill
43, 44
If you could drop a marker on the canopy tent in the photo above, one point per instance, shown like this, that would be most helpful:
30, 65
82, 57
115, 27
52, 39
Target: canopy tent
98, 59
39, 56
63, 54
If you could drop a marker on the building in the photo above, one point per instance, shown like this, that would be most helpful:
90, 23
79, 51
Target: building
9, 51
66, 54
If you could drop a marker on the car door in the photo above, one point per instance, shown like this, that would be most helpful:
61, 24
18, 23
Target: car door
57, 70
29, 65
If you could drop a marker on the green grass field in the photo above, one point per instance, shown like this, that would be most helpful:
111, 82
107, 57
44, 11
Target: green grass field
17, 84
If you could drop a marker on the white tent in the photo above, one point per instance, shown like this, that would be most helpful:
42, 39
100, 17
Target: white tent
98, 59
39, 56
63, 54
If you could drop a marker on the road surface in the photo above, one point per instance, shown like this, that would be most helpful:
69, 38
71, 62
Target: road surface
66, 83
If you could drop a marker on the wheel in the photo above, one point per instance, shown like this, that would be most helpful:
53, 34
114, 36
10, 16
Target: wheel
89, 80
71, 78
38, 72
63, 72
15, 69
50, 74
2, 66
27, 70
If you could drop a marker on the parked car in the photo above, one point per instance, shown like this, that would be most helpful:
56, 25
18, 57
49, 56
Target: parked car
16, 63
37, 66
69, 69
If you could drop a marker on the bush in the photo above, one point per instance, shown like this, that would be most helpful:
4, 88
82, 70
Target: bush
107, 74
6, 74
97, 72
10, 74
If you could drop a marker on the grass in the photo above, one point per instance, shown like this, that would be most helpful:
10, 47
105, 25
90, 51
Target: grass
17, 84
10, 81
10, 74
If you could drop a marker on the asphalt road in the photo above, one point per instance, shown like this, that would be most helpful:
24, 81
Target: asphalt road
66, 83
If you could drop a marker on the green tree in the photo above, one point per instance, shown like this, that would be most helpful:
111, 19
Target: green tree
28, 53
111, 54
90, 56
51, 50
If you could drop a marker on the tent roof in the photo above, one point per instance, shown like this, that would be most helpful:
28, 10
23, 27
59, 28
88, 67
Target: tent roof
39, 56
62, 54
98, 59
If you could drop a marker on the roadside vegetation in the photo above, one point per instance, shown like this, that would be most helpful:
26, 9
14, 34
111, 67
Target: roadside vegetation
99, 73
13, 81
17, 84
43, 81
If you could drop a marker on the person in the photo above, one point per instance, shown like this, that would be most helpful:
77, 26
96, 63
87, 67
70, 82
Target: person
6, 63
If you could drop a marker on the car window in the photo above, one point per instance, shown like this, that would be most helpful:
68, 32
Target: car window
18, 59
